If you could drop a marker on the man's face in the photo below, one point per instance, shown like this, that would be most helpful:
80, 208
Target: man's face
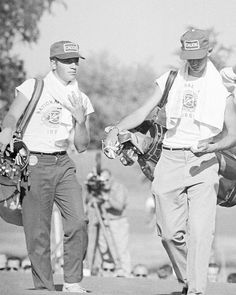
197, 66
106, 179
66, 69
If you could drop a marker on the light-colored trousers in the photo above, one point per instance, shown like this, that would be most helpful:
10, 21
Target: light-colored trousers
185, 188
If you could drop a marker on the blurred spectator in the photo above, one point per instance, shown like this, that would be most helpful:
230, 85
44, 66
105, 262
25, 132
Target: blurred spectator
165, 271
108, 269
3, 262
26, 265
231, 278
111, 197
150, 209
213, 272
140, 271
13, 263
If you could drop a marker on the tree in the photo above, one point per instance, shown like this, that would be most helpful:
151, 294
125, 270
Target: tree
114, 89
18, 22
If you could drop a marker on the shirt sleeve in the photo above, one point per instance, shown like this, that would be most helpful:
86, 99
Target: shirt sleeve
26, 88
161, 81
87, 104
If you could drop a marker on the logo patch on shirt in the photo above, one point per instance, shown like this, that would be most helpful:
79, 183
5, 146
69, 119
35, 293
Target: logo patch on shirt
70, 47
191, 45
189, 103
52, 117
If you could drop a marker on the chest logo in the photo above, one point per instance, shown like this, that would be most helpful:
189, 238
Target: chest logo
52, 117
189, 101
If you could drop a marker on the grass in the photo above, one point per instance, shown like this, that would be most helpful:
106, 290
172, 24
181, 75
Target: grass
145, 246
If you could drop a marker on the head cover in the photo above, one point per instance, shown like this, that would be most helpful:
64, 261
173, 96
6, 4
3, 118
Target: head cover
65, 50
12, 164
195, 44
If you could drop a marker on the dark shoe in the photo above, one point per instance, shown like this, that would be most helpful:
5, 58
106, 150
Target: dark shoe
185, 290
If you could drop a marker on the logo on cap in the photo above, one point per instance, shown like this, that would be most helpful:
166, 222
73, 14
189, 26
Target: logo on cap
191, 45
70, 47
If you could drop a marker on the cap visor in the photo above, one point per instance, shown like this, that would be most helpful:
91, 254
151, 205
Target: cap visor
193, 54
68, 55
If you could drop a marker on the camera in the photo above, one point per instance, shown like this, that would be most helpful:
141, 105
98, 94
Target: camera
95, 185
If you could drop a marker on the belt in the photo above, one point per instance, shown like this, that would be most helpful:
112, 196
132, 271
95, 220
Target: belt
49, 154
175, 149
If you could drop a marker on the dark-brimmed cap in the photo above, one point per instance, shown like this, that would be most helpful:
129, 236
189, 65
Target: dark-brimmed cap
64, 50
195, 44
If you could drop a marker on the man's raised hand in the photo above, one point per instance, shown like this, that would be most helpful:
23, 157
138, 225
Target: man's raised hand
76, 107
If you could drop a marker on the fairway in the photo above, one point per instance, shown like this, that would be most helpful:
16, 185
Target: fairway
21, 284
145, 245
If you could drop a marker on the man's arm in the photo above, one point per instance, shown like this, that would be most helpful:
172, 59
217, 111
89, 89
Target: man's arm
227, 139
137, 117
81, 122
10, 120
82, 135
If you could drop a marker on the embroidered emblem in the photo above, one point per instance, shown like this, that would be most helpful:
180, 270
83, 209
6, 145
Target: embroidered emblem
191, 45
52, 117
189, 100
70, 47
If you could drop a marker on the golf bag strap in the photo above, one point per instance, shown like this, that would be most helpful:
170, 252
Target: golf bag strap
28, 112
169, 83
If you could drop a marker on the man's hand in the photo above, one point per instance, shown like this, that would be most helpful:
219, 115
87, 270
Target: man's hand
112, 137
203, 148
77, 109
110, 144
5, 138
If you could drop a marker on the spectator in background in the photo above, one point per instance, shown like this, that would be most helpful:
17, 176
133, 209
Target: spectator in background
231, 278
140, 271
26, 265
228, 75
113, 199
3, 262
13, 263
150, 209
165, 271
213, 272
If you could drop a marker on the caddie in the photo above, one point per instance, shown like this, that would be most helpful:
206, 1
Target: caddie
61, 115
186, 177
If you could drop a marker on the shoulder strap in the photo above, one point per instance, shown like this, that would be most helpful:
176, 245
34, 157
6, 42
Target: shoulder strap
169, 83
24, 119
